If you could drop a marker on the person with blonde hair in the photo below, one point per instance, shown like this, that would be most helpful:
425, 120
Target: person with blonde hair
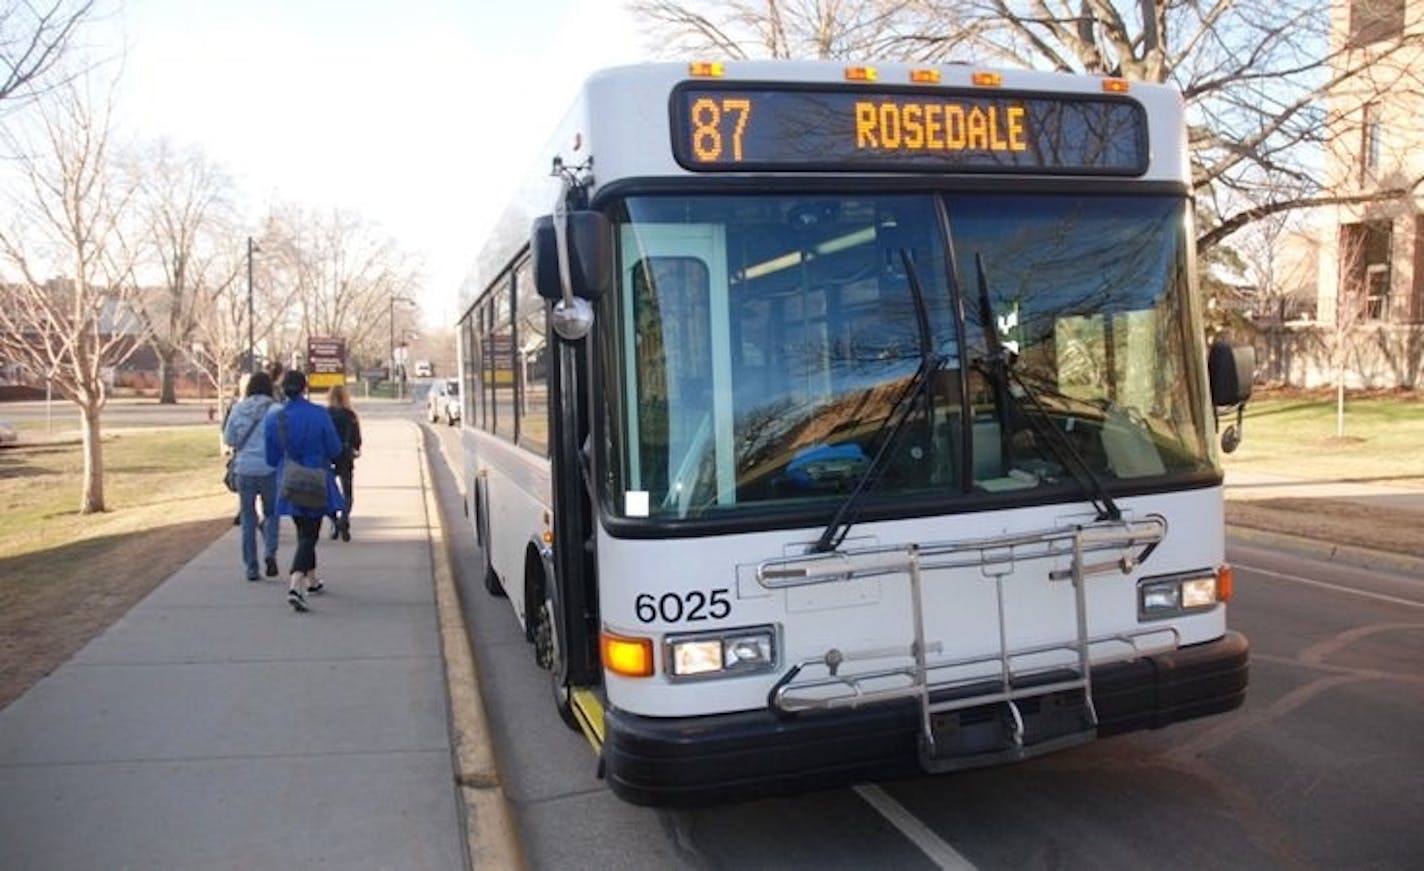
348, 429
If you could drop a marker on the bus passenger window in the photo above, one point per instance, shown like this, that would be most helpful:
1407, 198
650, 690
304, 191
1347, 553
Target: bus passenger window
501, 355
532, 363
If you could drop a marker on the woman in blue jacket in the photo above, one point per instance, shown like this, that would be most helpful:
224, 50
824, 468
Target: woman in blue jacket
301, 431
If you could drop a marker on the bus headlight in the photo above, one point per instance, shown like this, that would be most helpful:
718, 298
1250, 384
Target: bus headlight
721, 654
1186, 593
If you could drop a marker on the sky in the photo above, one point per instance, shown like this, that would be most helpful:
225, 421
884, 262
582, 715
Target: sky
419, 115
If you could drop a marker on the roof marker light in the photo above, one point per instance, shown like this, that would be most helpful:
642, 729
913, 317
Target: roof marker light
860, 74
925, 76
987, 79
706, 69
1115, 86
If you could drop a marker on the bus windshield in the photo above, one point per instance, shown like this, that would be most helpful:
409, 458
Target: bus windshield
761, 346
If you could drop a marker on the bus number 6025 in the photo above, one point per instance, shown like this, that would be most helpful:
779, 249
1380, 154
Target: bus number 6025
675, 607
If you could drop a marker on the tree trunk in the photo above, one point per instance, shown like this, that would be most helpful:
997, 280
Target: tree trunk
1340, 405
92, 501
167, 394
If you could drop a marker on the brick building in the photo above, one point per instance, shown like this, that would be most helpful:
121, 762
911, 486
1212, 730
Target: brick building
1369, 259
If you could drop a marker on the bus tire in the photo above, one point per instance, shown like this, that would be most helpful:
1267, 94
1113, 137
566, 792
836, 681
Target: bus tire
550, 654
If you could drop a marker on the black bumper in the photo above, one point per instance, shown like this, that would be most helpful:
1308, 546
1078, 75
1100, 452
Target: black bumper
750, 754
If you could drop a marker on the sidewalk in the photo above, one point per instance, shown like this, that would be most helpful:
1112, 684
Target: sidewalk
1261, 485
1404, 506
213, 727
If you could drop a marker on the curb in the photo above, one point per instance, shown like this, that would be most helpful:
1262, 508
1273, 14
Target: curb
1343, 554
492, 840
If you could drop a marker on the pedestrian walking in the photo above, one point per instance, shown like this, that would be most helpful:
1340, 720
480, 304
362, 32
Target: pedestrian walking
275, 371
348, 429
238, 391
256, 479
301, 443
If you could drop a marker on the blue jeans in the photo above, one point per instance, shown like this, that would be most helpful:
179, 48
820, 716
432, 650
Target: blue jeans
249, 488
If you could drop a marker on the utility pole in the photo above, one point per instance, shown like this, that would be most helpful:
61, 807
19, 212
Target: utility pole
251, 343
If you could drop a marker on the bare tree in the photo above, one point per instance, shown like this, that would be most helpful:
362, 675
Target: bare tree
219, 339
745, 29
34, 37
341, 273
185, 203
1255, 74
1355, 302
66, 219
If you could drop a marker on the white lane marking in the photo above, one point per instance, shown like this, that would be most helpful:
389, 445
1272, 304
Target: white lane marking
939, 852
1393, 600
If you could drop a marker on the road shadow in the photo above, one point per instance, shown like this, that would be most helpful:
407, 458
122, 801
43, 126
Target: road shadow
1404, 481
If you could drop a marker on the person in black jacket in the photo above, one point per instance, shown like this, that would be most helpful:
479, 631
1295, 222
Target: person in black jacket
348, 429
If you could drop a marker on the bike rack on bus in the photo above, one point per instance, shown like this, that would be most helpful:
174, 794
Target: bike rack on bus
942, 686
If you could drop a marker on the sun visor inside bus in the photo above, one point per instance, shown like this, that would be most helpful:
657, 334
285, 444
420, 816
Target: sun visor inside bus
590, 255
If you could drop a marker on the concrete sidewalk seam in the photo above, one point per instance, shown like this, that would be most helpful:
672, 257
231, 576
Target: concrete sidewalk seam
1359, 557
492, 841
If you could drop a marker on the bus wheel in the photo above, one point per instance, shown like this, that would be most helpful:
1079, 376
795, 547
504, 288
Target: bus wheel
549, 653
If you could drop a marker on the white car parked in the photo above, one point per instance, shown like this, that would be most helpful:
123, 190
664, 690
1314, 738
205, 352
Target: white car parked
443, 401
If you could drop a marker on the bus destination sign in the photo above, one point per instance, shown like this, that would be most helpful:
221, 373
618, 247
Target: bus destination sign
777, 128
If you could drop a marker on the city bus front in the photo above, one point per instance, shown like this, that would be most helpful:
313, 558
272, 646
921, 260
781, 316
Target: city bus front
897, 473
868, 455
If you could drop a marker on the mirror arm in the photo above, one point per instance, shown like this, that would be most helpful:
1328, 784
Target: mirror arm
561, 229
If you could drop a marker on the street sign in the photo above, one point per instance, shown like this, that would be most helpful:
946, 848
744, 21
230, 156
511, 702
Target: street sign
326, 362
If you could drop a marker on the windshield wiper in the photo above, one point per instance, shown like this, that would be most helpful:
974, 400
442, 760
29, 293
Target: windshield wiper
998, 367
841, 522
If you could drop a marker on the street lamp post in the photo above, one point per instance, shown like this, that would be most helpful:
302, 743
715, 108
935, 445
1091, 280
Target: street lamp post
251, 319
400, 384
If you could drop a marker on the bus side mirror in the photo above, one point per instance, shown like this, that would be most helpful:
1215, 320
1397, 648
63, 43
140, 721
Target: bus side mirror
590, 256
1230, 369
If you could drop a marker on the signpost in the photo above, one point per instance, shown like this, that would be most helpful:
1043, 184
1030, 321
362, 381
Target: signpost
326, 359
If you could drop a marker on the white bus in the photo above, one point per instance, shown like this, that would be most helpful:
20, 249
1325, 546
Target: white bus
832, 423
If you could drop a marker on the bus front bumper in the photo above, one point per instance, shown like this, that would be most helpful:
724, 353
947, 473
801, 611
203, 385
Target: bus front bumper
750, 754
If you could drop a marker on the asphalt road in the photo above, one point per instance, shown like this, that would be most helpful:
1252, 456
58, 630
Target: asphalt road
62, 416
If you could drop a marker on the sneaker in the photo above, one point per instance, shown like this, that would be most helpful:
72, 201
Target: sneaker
314, 586
271, 568
297, 600
252, 575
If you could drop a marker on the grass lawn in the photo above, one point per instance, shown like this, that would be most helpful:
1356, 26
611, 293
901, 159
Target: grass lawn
1295, 434
64, 576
